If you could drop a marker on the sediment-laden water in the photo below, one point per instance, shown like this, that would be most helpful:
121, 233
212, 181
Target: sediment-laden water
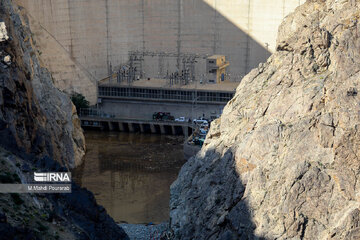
130, 174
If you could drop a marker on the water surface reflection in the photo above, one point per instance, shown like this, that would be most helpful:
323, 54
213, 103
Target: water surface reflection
130, 174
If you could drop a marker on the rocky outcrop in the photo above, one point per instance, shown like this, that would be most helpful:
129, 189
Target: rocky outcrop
50, 216
35, 117
282, 162
40, 131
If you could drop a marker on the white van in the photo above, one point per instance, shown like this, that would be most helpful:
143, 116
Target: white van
201, 122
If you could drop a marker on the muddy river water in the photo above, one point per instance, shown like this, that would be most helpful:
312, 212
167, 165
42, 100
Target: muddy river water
130, 174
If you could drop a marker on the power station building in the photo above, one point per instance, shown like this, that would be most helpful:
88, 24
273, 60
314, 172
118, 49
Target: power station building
141, 98
216, 69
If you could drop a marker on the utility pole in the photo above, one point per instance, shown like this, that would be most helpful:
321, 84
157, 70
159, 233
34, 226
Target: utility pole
194, 104
108, 40
178, 42
247, 50
143, 37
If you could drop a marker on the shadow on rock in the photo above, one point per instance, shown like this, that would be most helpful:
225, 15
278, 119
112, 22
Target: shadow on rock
207, 200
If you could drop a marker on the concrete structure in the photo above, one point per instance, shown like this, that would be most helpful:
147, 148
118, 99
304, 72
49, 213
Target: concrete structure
82, 40
142, 98
216, 69
133, 125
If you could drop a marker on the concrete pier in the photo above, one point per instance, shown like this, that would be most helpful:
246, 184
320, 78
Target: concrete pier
152, 127
132, 125
142, 128
121, 127
162, 129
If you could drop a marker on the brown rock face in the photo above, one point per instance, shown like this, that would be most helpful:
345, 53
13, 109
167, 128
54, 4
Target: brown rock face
35, 117
39, 125
282, 162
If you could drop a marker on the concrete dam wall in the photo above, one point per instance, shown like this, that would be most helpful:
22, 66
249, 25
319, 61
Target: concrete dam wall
80, 40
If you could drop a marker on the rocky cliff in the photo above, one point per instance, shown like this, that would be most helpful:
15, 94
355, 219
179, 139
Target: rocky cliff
35, 117
40, 131
282, 162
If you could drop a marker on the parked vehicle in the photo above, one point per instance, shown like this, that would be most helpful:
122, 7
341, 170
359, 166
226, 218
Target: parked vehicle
203, 132
180, 119
204, 127
200, 121
163, 116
